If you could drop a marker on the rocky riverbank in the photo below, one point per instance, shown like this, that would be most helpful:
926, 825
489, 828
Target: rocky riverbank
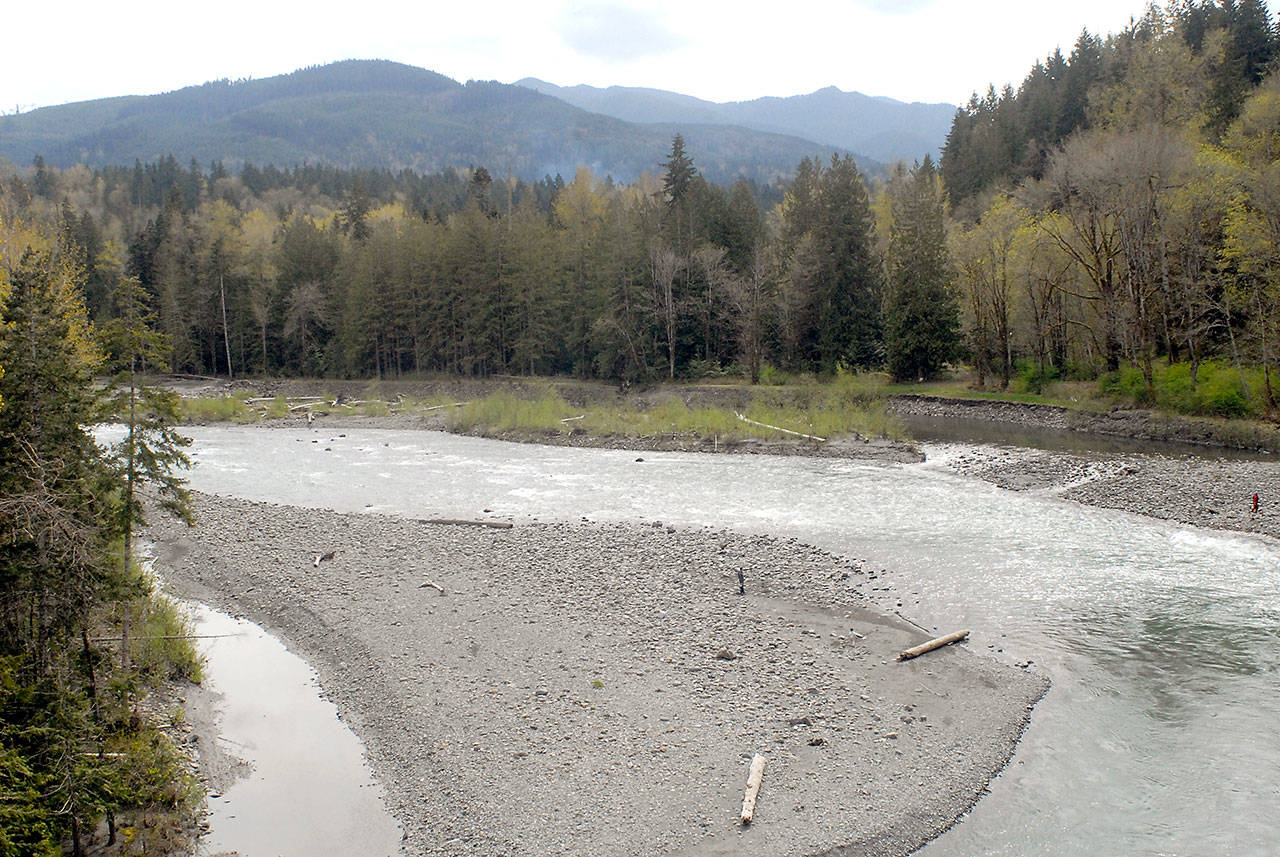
1200, 490
600, 689
1203, 492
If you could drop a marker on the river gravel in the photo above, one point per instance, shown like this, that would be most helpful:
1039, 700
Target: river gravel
600, 689
1217, 494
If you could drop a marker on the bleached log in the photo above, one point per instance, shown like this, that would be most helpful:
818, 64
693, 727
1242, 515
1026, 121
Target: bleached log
753, 788
779, 428
304, 407
938, 643
433, 585
440, 407
574, 419
494, 525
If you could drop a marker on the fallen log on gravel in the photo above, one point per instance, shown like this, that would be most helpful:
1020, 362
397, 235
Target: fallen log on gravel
753, 788
779, 428
938, 643
494, 525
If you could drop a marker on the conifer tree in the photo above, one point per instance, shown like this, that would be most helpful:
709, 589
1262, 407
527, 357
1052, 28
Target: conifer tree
921, 316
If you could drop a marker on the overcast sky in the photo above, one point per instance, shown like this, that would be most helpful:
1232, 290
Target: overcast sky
723, 50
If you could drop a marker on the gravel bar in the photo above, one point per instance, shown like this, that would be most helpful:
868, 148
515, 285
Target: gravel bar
600, 689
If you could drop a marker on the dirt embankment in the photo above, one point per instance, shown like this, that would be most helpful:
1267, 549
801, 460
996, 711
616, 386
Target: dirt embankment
1120, 422
600, 689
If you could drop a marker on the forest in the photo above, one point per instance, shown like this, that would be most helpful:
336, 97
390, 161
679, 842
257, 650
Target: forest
1114, 217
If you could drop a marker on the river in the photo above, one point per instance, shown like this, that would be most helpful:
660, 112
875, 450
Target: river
1161, 639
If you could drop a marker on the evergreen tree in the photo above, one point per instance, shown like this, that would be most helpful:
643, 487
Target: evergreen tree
151, 449
678, 174
835, 282
921, 317
49, 481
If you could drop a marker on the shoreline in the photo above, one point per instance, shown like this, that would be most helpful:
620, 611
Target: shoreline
1198, 491
616, 666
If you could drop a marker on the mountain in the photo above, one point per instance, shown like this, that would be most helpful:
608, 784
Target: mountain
379, 114
880, 128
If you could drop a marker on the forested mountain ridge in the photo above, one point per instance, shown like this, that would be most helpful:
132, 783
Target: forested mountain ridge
882, 128
375, 114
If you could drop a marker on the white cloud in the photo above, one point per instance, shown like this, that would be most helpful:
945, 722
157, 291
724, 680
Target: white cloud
616, 33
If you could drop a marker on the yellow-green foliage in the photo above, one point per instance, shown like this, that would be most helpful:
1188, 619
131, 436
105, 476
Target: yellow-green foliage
159, 647
276, 409
149, 772
500, 412
1219, 390
218, 409
827, 411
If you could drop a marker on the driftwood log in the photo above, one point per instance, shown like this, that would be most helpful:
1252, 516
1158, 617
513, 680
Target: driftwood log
783, 430
753, 788
493, 525
938, 643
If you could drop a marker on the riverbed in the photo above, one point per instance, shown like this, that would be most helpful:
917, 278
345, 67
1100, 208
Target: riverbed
1160, 638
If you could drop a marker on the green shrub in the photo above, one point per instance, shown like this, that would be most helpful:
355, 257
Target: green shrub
772, 376
1126, 383
1032, 379
1217, 390
162, 649
1220, 393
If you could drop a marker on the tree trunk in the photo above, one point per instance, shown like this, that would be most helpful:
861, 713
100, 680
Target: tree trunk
226, 335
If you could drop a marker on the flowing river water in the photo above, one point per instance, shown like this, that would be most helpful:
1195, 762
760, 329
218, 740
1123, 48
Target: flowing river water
1163, 641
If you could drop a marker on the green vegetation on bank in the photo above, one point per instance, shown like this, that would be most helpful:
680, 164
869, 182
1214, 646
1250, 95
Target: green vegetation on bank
85, 639
849, 403
852, 405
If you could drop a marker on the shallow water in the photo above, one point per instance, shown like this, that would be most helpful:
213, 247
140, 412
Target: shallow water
1162, 640
310, 791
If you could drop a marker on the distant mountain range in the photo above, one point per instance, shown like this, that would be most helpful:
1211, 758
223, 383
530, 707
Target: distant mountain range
878, 128
379, 114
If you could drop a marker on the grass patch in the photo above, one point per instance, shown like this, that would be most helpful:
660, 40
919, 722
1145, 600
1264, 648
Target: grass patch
217, 409
158, 649
503, 412
829, 412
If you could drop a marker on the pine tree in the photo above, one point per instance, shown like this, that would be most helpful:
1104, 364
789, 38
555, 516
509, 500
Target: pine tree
921, 316
679, 173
